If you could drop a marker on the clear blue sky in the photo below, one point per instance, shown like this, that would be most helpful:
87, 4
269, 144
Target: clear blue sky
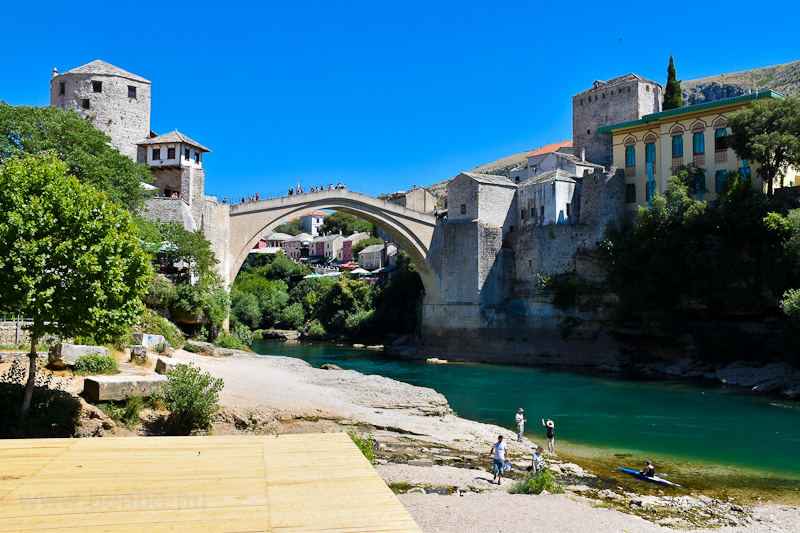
377, 94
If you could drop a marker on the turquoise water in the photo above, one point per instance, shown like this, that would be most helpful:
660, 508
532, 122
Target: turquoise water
693, 424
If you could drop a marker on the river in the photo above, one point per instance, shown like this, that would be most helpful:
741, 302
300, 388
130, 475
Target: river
704, 430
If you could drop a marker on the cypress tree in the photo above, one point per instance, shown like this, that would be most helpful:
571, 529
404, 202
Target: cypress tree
672, 96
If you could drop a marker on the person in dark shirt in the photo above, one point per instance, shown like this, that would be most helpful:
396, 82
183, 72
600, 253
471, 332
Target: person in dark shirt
551, 435
649, 469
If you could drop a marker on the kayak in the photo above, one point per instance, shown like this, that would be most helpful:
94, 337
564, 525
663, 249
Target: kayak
653, 479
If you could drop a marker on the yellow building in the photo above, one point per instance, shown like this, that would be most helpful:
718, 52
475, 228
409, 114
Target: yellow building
649, 148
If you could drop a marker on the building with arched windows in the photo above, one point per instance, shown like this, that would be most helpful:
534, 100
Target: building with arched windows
651, 147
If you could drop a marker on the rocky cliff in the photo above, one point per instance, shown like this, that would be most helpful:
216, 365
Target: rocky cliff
783, 79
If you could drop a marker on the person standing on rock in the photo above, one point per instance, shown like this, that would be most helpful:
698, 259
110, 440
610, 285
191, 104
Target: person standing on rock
551, 435
499, 453
520, 418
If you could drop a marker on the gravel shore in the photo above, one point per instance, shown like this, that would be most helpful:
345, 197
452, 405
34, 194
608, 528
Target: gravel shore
416, 422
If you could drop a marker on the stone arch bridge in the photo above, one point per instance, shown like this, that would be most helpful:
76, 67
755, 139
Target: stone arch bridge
419, 234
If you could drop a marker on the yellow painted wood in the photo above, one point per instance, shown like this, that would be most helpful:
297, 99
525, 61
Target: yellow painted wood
291, 483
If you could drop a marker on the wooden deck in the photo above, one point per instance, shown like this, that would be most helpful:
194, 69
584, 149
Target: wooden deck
318, 482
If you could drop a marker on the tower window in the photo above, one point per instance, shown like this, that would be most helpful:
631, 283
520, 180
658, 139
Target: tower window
588, 132
62, 88
463, 209
186, 154
197, 157
85, 103
97, 86
170, 153
131, 91
156, 153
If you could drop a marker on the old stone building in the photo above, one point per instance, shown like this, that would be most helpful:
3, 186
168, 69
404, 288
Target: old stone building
621, 99
115, 101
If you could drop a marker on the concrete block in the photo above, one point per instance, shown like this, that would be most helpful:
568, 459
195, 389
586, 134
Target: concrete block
116, 388
149, 341
62, 355
164, 364
139, 354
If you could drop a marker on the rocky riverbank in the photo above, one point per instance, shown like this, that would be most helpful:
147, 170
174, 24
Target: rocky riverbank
438, 463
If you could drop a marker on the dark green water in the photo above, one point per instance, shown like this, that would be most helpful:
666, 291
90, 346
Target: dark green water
695, 425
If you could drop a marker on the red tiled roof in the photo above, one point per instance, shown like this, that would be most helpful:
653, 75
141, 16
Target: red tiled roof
318, 213
550, 148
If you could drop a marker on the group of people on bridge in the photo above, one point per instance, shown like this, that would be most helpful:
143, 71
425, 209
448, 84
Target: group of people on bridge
300, 190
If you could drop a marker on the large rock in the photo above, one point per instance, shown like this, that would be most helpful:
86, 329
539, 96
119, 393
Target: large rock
164, 364
63, 354
149, 341
116, 388
205, 348
282, 334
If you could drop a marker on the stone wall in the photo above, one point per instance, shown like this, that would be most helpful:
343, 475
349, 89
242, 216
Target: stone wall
522, 330
460, 262
15, 334
125, 120
556, 248
169, 210
213, 219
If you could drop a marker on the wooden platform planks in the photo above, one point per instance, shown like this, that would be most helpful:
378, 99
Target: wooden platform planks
318, 482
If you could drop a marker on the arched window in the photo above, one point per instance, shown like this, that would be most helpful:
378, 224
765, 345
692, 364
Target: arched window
699, 143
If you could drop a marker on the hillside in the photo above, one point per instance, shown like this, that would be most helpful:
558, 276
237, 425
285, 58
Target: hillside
783, 79
501, 167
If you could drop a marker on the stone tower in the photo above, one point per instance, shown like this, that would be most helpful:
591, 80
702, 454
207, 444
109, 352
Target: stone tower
114, 100
618, 100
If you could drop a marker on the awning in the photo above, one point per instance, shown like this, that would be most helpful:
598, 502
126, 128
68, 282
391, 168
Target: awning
360, 271
384, 269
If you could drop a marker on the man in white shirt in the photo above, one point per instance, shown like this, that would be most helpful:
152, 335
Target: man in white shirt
499, 453
520, 423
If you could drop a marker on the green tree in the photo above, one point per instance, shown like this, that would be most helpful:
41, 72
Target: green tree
345, 224
767, 133
191, 247
363, 243
85, 150
69, 258
293, 227
672, 95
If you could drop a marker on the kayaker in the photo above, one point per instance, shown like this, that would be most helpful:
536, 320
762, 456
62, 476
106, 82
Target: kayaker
649, 469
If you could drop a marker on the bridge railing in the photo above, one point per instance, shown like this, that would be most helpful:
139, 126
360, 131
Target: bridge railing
279, 193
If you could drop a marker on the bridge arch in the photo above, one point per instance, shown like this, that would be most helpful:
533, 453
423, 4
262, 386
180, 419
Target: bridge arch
419, 234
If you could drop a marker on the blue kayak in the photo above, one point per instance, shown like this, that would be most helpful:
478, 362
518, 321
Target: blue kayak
651, 479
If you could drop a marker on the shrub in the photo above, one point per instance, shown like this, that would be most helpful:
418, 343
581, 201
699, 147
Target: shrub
364, 443
96, 364
537, 481
230, 341
125, 413
316, 329
359, 321
156, 325
160, 292
191, 396
244, 335
294, 316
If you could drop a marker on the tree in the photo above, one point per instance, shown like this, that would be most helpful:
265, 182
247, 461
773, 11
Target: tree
767, 133
672, 95
344, 223
293, 227
85, 150
69, 258
191, 247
